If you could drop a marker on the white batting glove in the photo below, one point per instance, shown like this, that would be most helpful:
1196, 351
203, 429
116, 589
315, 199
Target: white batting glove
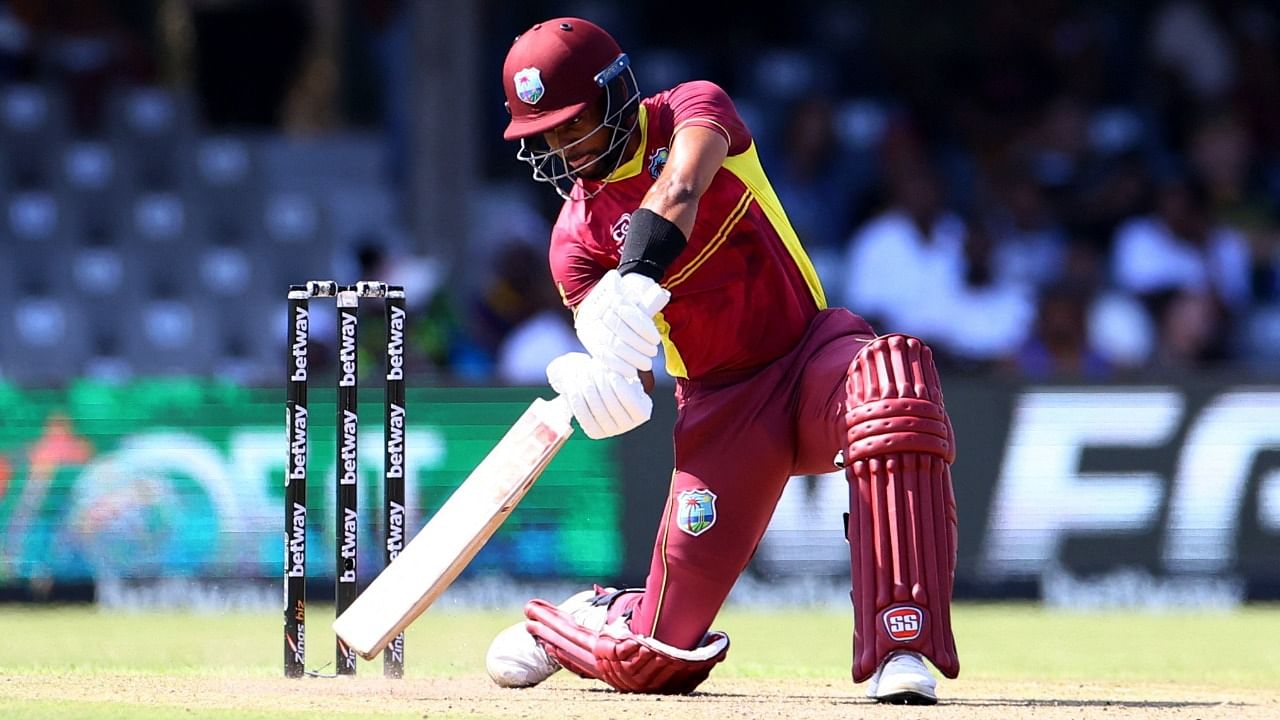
605, 402
615, 321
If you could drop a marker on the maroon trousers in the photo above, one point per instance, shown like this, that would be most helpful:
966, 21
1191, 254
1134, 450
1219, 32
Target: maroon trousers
735, 448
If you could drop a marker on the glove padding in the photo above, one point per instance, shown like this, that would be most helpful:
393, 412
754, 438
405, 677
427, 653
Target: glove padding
615, 321
605, 402
620, 658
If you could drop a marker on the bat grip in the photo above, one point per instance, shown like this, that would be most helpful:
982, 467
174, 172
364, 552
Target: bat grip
655, 299
559, 409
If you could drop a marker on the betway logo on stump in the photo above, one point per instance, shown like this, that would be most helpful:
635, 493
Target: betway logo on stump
395, 442
301, 322
347, 351
298, 542
395, 345
348, 546
395, 530
349, 423
298, 443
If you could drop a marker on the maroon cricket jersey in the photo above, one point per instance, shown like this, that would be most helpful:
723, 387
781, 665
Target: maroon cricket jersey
762, 361
743, 291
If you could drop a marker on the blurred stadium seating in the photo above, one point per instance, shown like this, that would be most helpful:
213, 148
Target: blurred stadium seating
160, 248
155, 197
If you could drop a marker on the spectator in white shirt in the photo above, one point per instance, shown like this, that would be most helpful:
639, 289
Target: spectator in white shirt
904, 266
1182, 247
918, 268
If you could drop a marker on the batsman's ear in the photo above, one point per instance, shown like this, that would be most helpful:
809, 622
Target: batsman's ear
506, 106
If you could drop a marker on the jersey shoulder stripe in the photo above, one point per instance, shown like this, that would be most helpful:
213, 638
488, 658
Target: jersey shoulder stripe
706, 122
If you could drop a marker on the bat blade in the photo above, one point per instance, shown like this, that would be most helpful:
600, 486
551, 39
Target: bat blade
446, 545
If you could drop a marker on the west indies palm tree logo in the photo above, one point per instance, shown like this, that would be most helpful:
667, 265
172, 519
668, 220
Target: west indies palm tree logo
657, 161
529, 85
696, 511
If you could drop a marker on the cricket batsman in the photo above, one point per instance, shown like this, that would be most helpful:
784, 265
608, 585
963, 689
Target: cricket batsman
670, 233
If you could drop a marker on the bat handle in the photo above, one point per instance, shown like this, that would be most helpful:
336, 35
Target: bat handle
655, 299
559, 409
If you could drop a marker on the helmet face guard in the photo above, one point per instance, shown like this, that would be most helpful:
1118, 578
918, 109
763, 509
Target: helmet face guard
621, 117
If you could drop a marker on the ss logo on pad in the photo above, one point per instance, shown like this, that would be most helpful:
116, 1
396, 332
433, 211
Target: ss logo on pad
904, 623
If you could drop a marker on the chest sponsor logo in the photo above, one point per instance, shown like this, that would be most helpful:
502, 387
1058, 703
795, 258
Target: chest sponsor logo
620, 227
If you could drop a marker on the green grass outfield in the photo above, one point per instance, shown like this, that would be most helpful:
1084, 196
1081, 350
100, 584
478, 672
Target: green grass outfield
998, 642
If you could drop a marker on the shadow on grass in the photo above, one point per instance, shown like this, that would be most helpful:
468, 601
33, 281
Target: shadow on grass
607, 694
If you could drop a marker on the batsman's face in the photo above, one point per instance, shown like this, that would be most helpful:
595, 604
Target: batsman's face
583, 141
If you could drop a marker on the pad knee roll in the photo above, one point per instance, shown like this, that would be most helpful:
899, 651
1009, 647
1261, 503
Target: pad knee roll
902, 516
625, 661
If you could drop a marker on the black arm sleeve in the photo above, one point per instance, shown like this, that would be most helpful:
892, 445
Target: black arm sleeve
653, 243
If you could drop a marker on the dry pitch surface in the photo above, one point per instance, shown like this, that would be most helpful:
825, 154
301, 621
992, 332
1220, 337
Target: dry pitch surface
1018, 662
572, 699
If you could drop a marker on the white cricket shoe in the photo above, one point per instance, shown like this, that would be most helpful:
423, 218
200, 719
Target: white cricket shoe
903, 679
516, 660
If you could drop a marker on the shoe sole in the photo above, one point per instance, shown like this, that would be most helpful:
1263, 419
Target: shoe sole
906, 697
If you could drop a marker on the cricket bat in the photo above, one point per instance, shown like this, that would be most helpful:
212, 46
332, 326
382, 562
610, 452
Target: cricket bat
446, 545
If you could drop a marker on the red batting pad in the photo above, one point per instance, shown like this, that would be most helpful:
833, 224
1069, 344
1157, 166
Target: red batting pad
902, 514
625, 661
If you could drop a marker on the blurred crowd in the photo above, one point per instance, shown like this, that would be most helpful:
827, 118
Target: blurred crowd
1048, 190
1075, 193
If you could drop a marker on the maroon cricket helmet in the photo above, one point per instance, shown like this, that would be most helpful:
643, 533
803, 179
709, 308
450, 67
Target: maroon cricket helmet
554, 71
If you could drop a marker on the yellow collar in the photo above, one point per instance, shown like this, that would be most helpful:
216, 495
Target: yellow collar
632, 167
